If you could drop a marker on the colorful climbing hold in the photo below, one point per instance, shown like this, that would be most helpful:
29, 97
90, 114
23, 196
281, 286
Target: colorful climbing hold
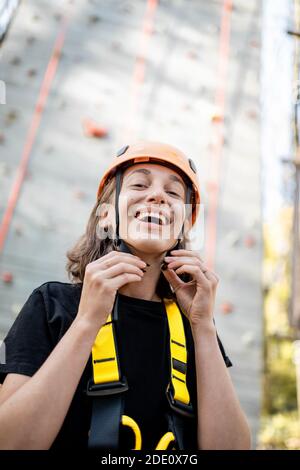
249, 241
91, 129
78, 194
7, 277
226, 307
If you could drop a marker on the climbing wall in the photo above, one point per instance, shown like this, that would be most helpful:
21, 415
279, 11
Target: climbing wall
85, 78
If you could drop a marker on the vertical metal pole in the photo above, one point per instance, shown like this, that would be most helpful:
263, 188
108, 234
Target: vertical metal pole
297, 366
295, 310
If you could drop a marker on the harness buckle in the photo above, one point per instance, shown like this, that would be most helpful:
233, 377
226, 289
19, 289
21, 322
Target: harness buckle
108, 388
179, 407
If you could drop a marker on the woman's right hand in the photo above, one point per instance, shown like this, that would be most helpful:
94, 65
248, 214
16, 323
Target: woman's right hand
103, 277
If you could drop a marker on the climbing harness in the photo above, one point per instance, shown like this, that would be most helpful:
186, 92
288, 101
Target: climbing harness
108, 384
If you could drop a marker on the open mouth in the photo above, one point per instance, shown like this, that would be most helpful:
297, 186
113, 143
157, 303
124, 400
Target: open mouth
152, 218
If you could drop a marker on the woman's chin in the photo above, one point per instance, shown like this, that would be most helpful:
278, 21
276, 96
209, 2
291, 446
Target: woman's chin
151, 245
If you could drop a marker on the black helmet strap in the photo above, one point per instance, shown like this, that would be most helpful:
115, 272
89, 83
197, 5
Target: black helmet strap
118, 189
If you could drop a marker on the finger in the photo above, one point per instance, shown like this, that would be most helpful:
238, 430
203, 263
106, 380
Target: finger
113, 258
183, 252
125, 278
175, 262
120, 268
212, 276
195, 271
172, 278
122, 259
114, 254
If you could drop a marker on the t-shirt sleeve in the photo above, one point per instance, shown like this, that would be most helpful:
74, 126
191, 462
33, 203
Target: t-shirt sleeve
28, 342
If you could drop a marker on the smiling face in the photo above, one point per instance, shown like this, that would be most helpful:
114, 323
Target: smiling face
151, 207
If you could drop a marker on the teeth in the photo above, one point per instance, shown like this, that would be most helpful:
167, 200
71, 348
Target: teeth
152, 220
161, 217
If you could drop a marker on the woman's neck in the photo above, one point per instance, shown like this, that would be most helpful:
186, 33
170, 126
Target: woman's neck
146, 288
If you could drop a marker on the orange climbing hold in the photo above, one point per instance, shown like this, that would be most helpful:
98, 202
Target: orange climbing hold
227, 307
78, 194
216, 118
249, 241
91, 129
7, 277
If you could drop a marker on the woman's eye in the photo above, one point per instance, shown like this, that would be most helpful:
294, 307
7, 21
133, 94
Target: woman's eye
140, 185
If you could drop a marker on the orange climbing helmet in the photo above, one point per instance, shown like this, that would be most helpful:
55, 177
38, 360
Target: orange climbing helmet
157, 152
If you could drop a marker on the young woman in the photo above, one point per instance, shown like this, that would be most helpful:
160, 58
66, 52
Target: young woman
157, 375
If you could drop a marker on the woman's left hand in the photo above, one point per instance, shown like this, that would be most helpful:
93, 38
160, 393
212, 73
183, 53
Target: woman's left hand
196, 298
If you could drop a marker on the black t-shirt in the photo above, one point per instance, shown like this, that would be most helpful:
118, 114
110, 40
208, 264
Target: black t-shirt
143, 343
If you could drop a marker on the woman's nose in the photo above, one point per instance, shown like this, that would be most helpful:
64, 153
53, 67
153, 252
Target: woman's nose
157, 195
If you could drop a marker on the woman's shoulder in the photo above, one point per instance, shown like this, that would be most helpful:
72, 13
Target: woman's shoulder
59, 296
53, 288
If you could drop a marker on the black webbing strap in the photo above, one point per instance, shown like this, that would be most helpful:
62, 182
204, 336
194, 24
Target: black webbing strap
176, 424
106, 421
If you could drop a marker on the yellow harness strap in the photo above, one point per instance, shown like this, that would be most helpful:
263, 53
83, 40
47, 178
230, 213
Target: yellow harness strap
106, 367
165, 441
178, 353
129, 422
